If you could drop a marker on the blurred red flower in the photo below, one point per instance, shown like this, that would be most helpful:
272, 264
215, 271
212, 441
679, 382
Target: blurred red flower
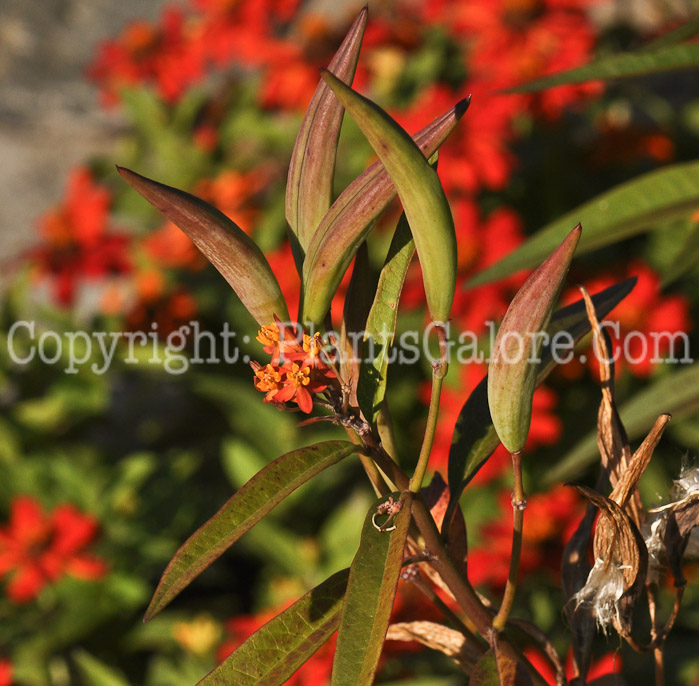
77, 243
37, 549
647, 320
5, 673
610, 663
549, 521
545, 429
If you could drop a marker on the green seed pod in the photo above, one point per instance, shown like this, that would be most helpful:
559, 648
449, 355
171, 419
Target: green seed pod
515, 355
310, 182
425, 205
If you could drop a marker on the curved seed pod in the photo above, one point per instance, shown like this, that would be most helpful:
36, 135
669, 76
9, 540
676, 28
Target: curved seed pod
223, 243
351, 216
515, 357
425, 206
310, 181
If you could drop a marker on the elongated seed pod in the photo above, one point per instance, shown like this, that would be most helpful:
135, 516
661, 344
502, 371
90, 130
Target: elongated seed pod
514, 359
425, 205
224, 244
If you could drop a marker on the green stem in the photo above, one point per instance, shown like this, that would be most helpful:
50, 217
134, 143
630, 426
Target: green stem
519, 503
439, 371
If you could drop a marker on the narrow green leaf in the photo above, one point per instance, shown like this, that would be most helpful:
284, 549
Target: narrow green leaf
513, 369
631, 208
424, 203
686, 259
682, 33
310, 181
247, 507
485, 673
369, 599
676, 394
380, 326
499, 671
225, 245
670, 58
358, 300
276, 650
474, 438
95, 672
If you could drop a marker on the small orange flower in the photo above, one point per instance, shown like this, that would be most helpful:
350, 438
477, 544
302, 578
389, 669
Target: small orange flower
269, 337
302, 372
297, 379
268, 379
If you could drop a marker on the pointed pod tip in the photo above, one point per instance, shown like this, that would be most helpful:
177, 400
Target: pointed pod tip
461, 106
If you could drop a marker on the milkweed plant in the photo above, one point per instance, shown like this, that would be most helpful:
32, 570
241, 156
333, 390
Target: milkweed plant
616, 558
399, 447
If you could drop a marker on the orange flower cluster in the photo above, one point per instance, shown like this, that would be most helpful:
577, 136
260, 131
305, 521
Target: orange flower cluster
297, 370
37, 549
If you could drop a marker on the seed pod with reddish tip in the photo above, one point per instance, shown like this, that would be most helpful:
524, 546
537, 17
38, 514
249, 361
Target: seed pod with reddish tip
425, 205
223, 243
515, 355
310, 181
351, 217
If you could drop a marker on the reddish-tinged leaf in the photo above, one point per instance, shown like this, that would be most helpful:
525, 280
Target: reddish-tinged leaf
351, 217
223, 243
514, 363
310, 181
247, 507
369, 598
276, 650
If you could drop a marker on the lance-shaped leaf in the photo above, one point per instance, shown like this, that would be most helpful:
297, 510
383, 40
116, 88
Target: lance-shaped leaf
686, 258
676, 393
474, 438
223, 243
247, 507
380, 326
684, 31
638, 205
369, 599
514, 361
276, 650
360, 294
352, 216
421, 193
310, 181
625, 65
499, 671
